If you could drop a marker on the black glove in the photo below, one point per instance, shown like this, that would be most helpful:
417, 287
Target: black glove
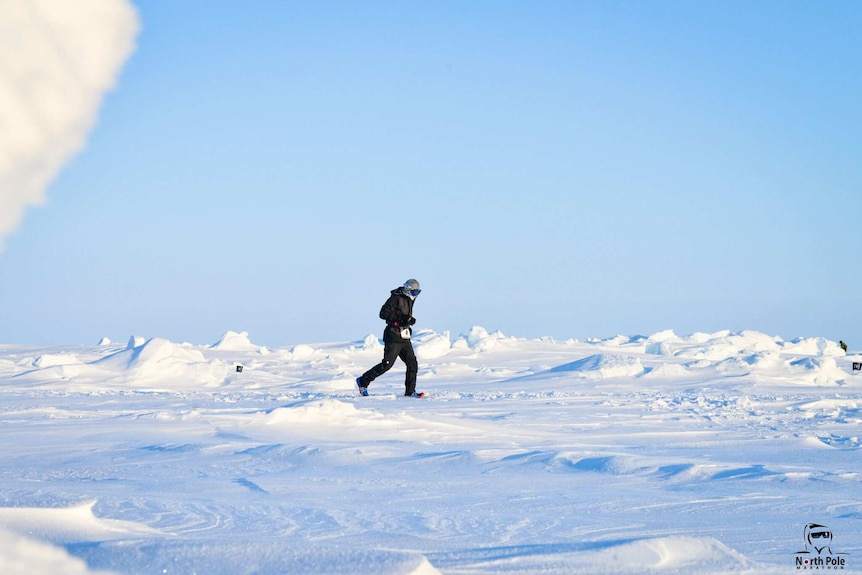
411, 320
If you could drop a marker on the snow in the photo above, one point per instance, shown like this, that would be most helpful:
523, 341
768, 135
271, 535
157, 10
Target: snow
700, 453
233, 341
22, 556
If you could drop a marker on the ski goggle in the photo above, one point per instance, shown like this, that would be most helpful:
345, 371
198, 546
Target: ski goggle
820, 535
415, 292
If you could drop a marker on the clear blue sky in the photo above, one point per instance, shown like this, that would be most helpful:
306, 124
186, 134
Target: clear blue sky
570, 169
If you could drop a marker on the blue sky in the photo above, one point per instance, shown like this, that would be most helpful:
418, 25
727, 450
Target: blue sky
569, 169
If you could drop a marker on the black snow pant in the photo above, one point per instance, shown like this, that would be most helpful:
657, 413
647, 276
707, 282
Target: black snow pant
392, 350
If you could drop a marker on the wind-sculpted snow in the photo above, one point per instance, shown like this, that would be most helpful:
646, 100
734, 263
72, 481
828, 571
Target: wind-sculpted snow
432, 345
680, 554
724, 345
69, 525
159, 360
233, 341
20, 555
704, 453
603, 365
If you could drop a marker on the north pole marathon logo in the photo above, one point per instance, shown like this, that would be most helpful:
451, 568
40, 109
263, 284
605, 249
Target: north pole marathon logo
818, 553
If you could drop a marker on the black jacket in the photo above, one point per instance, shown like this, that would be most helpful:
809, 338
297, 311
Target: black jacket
398, 314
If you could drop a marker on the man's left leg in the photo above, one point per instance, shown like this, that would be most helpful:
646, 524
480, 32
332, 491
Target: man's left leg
390, 352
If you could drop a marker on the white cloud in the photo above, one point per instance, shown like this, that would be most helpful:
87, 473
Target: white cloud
57, 61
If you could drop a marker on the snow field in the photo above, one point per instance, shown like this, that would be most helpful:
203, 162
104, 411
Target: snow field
663, 454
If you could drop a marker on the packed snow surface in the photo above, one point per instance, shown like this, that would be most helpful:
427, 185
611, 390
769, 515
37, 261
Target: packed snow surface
705, 453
